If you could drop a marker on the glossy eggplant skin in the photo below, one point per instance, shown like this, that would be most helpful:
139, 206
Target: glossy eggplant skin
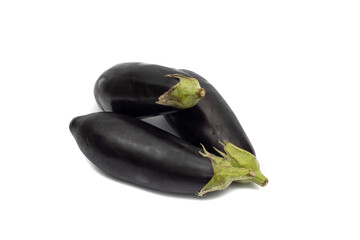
134, 88
137, 152
209, 121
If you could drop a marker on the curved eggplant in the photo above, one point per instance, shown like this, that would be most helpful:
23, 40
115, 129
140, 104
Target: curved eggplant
141, 90
213, 123
135, 151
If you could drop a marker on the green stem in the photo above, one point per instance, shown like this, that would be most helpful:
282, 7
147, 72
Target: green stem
260, 179
185, 94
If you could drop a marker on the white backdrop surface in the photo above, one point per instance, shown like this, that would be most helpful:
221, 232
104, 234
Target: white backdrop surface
290, 71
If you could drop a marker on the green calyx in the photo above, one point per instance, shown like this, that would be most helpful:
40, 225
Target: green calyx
243, 159
224, 173
185, 94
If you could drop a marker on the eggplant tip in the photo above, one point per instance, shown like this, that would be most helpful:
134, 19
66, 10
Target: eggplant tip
74, 124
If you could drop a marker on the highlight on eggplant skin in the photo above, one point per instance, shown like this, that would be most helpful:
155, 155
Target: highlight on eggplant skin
137, 152
143, 90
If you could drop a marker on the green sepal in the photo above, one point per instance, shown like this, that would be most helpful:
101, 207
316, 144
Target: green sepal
224, 173
243, 159
185, 94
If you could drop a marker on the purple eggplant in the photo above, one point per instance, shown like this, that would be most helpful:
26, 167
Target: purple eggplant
137, 152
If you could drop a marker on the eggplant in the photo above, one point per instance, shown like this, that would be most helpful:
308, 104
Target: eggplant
212, 123
137, 152
143, 90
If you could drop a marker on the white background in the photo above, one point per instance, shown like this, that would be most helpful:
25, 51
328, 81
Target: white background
289, 70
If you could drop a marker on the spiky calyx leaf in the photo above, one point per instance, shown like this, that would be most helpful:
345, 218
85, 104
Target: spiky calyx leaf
224, 173
185, 94
243, 159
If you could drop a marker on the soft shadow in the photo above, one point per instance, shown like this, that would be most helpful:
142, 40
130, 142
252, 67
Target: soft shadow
157, 121
209, 196
249, 185
160, 122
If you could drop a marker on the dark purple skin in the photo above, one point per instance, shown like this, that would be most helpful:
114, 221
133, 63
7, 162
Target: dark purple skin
209, 121
137, 152
134, 88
